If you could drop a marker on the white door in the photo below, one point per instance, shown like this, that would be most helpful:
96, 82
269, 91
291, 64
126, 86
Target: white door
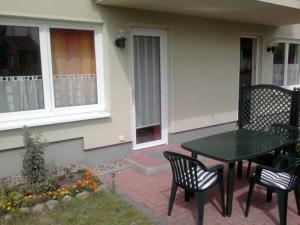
149, 88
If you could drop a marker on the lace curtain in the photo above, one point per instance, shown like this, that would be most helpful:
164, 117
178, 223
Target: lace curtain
147, 80
21, 93
73, 90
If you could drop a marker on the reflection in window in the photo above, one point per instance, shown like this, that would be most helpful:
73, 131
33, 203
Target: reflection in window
21, 86
293, 65
278, 65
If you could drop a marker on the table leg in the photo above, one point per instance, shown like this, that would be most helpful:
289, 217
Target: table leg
190, 193
240, 169
194, 155
230, 180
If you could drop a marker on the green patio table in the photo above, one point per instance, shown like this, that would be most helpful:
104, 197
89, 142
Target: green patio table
231, 147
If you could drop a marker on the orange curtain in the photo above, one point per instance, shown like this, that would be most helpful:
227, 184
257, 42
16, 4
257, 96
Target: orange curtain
73, 52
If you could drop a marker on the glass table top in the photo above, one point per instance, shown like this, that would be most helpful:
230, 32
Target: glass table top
236, 145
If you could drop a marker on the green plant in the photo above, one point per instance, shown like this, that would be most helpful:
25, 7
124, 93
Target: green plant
67, 172
9, 199
48, 184
33, 159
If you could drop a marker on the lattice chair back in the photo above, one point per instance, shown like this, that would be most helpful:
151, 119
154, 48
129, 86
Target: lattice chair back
261, 106
187, 171
283, 130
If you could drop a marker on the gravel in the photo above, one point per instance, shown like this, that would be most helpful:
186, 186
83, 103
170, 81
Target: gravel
106, 168
13, 180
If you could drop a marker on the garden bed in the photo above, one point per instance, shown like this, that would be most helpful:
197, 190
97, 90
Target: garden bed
65, 186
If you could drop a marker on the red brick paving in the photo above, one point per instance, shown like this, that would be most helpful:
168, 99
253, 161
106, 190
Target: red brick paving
152, 192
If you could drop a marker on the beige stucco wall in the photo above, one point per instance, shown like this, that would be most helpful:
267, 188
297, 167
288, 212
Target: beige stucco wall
203, 68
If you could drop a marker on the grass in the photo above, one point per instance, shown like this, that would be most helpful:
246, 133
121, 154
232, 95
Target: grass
100, 208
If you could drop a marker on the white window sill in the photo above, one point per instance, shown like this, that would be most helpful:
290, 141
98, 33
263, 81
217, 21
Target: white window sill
51, 119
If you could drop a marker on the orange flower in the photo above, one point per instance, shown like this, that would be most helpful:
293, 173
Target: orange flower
94, 186
28, 197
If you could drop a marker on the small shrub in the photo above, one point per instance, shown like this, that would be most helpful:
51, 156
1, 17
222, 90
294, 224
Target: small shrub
48, 184
33, 159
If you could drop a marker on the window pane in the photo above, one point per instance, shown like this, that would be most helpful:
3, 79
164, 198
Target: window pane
293, 65
278, 65
21, 86
73, 65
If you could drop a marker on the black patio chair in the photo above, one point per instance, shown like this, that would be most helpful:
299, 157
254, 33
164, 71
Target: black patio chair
282, 130
260, 106
193, 176
279, 180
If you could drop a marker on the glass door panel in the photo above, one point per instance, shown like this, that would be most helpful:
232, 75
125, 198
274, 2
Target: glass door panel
278, 65
147, 82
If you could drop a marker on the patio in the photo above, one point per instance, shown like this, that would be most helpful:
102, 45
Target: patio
147, 182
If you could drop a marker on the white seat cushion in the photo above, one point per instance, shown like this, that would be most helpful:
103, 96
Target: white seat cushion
279, 180
204, 178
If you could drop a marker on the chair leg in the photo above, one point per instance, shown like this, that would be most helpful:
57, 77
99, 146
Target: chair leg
249, 168
187, 195
240, 169
297, 197
282, 197
251, 187
221, 185
172, 198
201, 203
269, 195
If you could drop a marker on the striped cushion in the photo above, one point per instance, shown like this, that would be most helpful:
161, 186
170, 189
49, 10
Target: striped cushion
279, 180
204, 178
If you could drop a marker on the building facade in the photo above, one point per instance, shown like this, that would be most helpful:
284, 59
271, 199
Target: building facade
100, 78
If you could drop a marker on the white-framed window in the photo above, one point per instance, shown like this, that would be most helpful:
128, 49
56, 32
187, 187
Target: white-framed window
286, 64
50, 73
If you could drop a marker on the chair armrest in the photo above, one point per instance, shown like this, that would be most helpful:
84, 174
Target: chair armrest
216, 168
285, 161
286, 157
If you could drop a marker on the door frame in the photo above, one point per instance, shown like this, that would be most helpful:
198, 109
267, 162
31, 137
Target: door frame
162, 34
258, 56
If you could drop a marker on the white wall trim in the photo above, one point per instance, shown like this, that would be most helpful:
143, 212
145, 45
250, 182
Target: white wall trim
36, 16
53, 119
